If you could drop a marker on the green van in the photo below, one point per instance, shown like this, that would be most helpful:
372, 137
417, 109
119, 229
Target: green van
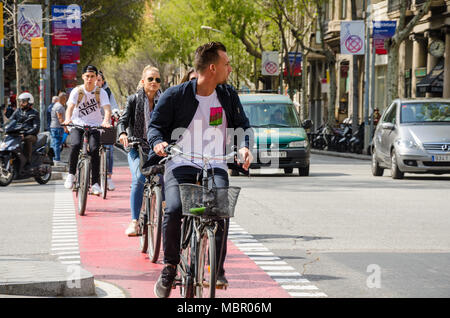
280, 138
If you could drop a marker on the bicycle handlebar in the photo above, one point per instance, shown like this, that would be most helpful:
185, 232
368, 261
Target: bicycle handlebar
84, 126
173, 151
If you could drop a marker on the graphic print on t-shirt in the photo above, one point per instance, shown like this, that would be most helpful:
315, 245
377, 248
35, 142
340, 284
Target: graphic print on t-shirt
88, 107
215, 116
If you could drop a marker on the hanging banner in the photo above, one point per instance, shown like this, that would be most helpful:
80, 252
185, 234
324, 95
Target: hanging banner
66, 25
29, 22
352, 37
295, 60
69, 71
69, 54
382, 30
2, 35
269, 63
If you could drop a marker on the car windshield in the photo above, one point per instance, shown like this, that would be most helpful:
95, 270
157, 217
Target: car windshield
271, 115
425, 112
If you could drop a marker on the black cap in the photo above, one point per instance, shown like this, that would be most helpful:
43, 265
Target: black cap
90, 68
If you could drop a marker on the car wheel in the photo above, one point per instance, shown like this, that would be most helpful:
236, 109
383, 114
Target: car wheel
395, 171
377, 171
303, 171
288, 170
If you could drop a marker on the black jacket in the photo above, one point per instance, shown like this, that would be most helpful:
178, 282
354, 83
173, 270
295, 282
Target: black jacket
176, 109
126, 120
28, 120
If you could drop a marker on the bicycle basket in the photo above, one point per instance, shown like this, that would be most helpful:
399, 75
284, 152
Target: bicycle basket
224, 201
108, 136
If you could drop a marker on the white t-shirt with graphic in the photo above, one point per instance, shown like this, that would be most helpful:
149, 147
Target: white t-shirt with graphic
88, 112
206, 134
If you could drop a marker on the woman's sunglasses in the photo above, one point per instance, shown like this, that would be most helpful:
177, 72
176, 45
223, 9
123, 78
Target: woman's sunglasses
157, 79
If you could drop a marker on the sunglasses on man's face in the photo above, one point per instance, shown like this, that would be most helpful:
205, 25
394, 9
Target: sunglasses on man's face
156, 79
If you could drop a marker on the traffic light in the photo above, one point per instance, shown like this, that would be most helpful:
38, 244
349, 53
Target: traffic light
38, 53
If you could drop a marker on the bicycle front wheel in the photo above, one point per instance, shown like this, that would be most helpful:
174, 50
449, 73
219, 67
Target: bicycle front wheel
84, 174
103, 172
155, 214
206, 273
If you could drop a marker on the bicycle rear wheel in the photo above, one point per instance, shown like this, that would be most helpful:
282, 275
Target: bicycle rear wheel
103, 172
206, 273
84, 174
154, 213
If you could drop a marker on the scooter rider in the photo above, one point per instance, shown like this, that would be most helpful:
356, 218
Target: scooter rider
28, 118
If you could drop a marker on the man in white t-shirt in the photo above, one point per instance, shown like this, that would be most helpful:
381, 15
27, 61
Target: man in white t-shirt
86, 111
202, 111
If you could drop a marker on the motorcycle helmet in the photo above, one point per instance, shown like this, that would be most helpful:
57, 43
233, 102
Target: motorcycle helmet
26, 96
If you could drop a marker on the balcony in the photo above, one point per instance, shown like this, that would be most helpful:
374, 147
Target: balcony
394, 5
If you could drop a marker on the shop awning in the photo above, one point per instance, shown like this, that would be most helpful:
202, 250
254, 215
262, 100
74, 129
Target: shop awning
434, 81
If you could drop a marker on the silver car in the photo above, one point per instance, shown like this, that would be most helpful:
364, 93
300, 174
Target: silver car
413, 136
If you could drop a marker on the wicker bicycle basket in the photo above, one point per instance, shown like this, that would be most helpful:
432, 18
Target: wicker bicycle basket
224, 200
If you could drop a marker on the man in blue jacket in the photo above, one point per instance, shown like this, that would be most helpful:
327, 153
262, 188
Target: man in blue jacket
201, 108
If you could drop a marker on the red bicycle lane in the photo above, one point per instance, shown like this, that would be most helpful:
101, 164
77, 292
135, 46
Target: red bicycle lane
113, 257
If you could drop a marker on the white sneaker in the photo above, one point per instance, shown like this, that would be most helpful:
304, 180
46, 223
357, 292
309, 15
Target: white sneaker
132, 229
96, 190
111, 186
70, 179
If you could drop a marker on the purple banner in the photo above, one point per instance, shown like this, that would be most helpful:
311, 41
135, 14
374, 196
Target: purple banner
69, 54
69, 72
66, 25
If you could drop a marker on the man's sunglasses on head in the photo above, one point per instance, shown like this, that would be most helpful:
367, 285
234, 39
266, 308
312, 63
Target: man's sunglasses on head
156, 79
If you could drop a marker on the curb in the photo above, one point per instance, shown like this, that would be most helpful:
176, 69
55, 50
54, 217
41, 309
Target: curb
31, 277
341, 154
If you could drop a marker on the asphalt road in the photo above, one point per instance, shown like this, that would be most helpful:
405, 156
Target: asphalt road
348, 233
352, 234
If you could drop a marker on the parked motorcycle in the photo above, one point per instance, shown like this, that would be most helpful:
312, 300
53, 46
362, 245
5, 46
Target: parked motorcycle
357, 141
13, 162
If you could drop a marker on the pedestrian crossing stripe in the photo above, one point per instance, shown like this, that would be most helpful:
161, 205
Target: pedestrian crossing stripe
286, 276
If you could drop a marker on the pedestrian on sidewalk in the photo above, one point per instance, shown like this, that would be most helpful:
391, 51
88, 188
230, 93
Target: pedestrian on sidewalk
56, 130
55, 99
133, 123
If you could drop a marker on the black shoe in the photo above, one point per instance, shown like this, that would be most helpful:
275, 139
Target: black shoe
163, 286
221, 281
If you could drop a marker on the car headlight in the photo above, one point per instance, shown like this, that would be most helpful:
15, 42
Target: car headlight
298, 144
406, 143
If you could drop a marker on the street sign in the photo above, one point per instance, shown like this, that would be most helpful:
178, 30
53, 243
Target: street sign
295, 60
269, 61
352, 37
382, 30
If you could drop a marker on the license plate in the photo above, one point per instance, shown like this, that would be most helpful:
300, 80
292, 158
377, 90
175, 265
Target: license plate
273, 154
440, 158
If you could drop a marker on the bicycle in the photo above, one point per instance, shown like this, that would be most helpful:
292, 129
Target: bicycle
83, 173
150, 218
203, 207
102, 152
